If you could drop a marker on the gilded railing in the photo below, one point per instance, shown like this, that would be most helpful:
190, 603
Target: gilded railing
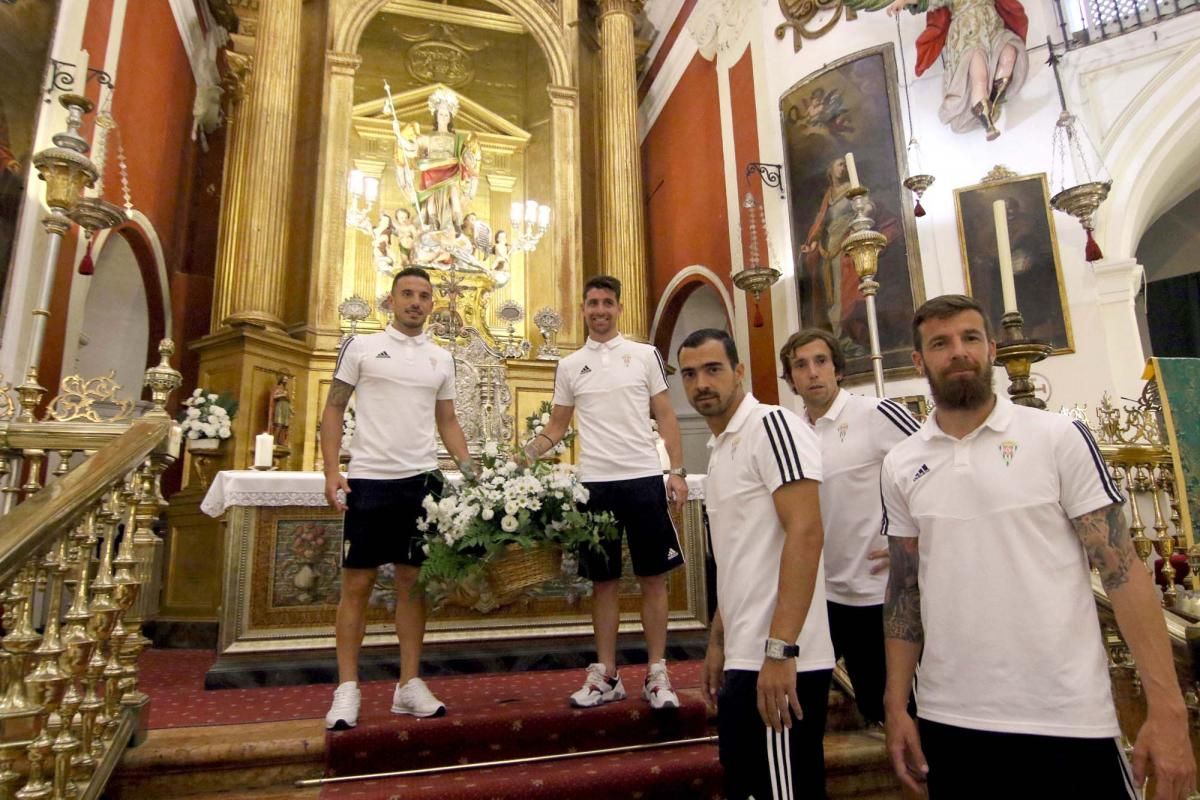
80, 496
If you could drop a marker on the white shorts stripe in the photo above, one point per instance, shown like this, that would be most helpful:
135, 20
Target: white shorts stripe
1126, 770
787, 763
771, 764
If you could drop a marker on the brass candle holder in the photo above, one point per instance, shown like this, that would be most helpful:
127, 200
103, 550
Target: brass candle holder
863, 245
1017, 355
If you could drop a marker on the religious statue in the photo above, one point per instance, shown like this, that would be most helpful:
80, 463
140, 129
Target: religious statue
279, 410
440, 169
984, 45
382, 237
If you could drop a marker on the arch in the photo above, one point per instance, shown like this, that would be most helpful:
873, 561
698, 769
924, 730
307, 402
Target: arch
1153, 155
114, 328
348, 26
139, 233
686, 281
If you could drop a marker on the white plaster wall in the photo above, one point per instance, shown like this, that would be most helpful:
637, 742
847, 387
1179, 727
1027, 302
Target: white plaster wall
703, 308
116, 327
1127, 91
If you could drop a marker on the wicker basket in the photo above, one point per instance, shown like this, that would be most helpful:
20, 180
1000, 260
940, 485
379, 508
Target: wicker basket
520, 569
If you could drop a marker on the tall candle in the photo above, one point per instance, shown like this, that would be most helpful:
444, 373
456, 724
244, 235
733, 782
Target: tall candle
81, 68
264, 450
1007, 286
852, 170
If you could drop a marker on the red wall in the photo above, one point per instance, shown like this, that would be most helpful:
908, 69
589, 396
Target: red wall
684, 173
745, 145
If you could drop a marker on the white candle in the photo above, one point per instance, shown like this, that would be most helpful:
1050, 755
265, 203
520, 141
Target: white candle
264, 450
1007, 287
852, 170
357, 180
531, 211
371, 185
543, 216
518, 213
81, 67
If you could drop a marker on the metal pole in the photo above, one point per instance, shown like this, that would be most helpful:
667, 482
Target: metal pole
56, 226
873, 332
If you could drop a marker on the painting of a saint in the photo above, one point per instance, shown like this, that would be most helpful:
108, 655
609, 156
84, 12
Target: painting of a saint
25, 33
1037, 274
849, 107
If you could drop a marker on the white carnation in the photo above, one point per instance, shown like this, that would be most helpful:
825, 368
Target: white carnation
212, 397
224, 433
198, 393
193, 434
491, 449
511, 507
509, 523
487, 514
193, 413
546, 418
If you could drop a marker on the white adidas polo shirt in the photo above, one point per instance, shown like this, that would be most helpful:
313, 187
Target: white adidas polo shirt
1012, 641
761, 449
397, 380
610, 385
855, 434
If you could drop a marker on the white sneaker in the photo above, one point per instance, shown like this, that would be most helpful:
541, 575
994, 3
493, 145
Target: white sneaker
343, 713
657, 689
598, 688
415, 699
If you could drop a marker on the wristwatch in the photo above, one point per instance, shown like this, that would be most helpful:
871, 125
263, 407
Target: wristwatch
779, 650
680, 471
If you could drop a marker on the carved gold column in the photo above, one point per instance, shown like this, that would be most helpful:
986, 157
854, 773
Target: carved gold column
622, 223
329, 244
567, 227
252, 250
235, 83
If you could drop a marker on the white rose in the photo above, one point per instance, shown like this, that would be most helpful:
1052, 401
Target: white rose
213, 419
212, 397
193, 413
225, 433
546, 418
509, 523
219, 411
446, 505
511, 507
198, 393
487, 513
193, 434
491, 449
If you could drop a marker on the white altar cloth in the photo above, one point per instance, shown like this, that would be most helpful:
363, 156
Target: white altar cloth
247, 487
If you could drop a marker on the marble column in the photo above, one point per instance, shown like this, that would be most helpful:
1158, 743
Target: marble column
622, 217
1118, 281
255, 219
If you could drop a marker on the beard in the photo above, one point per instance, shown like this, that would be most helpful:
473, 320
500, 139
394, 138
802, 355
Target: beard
962, 393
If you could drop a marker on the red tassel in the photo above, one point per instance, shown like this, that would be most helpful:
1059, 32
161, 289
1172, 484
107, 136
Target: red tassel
86, 265
758, 317
919, 210
1092, 251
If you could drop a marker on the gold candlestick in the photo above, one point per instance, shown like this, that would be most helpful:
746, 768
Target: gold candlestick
1017, 355
863, 245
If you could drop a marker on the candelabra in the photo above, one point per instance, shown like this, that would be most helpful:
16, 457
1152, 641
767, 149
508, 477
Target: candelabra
512, 346
364, 191
755, 278
67, 170
529, 222
354, 309
863, 245
548, 323
1017, 355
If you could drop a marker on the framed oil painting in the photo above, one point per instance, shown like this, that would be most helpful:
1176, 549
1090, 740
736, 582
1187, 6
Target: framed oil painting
1037, 271
26, 29
850, 106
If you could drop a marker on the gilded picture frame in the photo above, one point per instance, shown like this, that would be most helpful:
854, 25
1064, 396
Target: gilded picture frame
1037, 267
851, 105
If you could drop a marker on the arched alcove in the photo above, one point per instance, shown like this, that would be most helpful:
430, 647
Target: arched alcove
115, 333
1169, 309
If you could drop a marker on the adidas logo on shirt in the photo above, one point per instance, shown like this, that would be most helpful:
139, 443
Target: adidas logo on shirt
383, 354
922, 472
586, 369
672, 553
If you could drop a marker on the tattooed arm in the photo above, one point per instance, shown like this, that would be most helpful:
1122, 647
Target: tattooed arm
903, 638
1163, 741
331, 440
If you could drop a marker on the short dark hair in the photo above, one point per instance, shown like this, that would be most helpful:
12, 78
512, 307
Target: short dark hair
807, 336
411, 272
607, 282
697, 338
944, 307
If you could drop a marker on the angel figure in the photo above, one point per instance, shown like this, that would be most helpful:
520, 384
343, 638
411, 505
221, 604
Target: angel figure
984, 46
382, 237
440, 169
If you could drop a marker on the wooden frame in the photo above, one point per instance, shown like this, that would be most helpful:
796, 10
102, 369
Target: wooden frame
851, 105
1041, 294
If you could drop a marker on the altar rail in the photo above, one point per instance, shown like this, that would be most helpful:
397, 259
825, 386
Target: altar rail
79, 495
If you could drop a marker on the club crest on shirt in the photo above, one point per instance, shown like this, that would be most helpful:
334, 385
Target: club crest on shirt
1008, 449
841, 429
626, 358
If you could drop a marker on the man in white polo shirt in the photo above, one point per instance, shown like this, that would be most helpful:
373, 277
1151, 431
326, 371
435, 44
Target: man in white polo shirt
616, 385
395, 372
769, 657
993, 512
855, 432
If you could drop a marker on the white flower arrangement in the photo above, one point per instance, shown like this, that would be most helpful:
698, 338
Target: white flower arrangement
505, 504
349, 426
208, 415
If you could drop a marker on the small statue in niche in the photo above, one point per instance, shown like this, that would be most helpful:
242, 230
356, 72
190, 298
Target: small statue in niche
983, 42
279, 410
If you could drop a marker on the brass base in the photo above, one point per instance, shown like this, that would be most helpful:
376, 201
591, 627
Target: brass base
1017, 355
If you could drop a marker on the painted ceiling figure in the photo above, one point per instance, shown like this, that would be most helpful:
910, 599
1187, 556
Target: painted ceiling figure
983, 42
439, 169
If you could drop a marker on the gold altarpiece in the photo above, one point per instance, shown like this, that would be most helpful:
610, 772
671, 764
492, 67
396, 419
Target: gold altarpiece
305, 105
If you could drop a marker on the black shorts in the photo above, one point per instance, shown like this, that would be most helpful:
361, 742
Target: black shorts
757, 761
987, 764
381, 520
640, 507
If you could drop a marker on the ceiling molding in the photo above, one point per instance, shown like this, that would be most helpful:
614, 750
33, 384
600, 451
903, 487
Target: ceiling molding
488, 20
